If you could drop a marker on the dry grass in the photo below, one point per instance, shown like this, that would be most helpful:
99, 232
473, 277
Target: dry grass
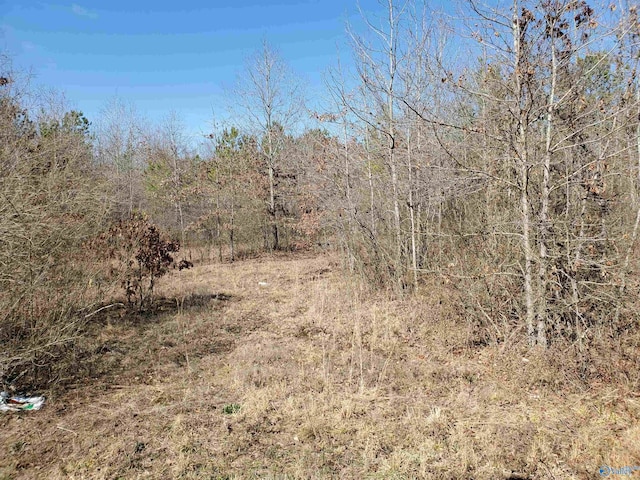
311, 376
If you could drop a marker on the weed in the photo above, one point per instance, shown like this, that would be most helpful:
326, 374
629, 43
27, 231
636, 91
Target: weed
231, 408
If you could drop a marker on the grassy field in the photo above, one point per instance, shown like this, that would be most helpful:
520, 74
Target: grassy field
283, 367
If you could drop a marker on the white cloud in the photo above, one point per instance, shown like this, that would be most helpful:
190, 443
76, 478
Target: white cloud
83, 12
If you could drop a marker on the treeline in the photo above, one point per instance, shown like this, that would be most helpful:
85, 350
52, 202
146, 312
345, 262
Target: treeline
495, 152
498, 151
92, 214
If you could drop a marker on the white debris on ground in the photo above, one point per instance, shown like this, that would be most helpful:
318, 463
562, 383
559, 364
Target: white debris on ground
19, 403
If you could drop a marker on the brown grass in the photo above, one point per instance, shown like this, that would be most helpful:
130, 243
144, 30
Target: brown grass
330, 381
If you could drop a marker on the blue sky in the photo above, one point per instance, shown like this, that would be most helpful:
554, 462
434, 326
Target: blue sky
165, 56
171, 56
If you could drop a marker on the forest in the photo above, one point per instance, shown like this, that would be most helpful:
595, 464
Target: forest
490, 161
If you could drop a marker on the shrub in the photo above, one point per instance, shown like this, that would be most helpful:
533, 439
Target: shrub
51, 202
140, 254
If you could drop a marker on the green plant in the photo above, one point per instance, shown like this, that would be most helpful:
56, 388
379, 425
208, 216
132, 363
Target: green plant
231, 408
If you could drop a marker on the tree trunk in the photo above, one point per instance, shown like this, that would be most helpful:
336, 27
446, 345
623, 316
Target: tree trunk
544, 209
391, 151
231, 233
412, 213
523, 160
273, 213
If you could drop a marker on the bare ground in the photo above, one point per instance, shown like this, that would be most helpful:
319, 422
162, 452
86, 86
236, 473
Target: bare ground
285, 368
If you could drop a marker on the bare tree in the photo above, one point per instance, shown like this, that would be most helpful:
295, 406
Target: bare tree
539, 115
269, 98
377, 65
51, 202
119, 142
170, 171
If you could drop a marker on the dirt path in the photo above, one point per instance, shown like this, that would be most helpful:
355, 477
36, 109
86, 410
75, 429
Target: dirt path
282, 366
159, 375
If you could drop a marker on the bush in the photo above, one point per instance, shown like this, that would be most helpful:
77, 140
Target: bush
140, 254
50, 204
